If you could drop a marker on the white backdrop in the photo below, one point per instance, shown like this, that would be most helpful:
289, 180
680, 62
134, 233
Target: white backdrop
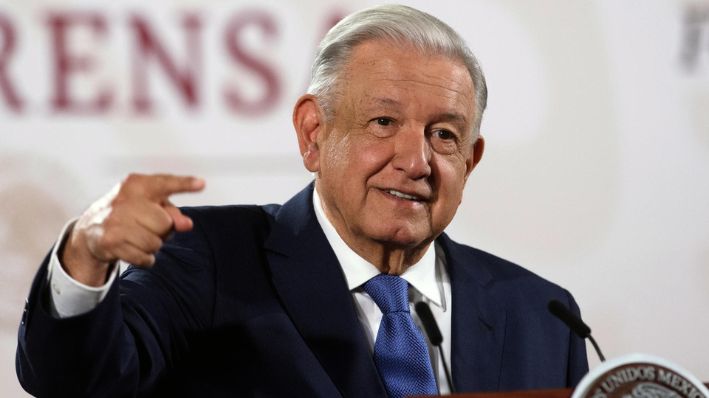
596, 171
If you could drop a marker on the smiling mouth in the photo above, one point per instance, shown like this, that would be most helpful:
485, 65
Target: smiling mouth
404, 196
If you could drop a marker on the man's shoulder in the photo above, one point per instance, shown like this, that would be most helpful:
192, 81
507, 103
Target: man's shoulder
296, 210
231, 216
225, 228
498, 274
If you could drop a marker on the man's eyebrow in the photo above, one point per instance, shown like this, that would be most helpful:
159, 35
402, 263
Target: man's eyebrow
453, 118
386, 101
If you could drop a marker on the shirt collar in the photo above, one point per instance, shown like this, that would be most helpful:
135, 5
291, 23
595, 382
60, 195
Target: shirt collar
357, 270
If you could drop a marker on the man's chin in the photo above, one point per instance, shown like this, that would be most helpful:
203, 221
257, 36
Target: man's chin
404, 238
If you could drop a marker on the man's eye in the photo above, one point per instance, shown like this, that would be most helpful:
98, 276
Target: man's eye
444, 134
384, 121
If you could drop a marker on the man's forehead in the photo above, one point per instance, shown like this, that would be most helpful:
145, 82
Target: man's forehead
383, 61
382, 101
370, 52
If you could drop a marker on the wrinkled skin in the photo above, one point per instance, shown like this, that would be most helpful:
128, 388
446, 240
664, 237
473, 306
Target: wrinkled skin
393, 161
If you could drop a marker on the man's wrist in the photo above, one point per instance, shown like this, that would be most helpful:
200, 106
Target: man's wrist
78, 262
69, 297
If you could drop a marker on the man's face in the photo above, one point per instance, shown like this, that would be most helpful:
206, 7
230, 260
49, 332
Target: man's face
393, 162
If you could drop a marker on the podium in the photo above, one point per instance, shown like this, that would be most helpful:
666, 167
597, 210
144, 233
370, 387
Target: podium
556, 393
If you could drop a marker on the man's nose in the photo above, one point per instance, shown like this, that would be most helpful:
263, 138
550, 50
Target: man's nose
413, 153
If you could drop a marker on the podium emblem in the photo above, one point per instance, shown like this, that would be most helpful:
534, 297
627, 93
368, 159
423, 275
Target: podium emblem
639, 376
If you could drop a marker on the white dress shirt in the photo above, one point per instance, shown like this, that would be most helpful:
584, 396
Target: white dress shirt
428, 279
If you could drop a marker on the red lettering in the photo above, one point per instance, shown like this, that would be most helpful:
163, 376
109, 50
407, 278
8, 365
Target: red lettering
8, 46
66, 63
272, 84
184, 79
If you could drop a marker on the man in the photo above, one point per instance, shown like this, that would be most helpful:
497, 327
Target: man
292, 300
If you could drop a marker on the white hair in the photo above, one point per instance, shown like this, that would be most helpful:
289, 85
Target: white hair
401, 25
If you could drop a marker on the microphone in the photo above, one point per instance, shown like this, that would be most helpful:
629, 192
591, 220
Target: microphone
574, 323
434, 335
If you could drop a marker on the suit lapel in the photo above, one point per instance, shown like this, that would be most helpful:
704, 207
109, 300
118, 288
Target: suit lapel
313, 289
478, 324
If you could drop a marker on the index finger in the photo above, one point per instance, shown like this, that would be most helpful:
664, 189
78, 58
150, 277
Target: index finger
161, 186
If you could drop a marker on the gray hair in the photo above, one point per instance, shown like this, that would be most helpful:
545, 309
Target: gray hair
401, 25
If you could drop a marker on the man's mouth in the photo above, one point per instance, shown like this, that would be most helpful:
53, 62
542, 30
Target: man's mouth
405, 196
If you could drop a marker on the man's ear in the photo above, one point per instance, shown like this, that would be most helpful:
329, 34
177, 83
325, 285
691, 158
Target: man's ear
308, 120
475, 155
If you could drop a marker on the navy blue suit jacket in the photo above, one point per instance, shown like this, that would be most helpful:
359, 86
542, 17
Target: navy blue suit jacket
253, 302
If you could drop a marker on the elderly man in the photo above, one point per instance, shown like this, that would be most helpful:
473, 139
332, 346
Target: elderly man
311, 298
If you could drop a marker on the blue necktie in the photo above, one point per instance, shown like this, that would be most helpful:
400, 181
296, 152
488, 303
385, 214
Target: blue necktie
400, 352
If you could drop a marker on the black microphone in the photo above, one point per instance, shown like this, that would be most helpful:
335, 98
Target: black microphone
434, 335
574, 323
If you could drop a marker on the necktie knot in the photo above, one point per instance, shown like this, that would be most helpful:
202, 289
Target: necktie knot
389, 292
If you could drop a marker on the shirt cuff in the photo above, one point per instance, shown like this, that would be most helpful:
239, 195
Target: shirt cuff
69, 297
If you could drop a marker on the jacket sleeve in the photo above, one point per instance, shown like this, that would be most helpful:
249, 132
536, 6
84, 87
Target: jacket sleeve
121, 347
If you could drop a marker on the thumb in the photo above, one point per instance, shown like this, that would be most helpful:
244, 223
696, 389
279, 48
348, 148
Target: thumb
180, 222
